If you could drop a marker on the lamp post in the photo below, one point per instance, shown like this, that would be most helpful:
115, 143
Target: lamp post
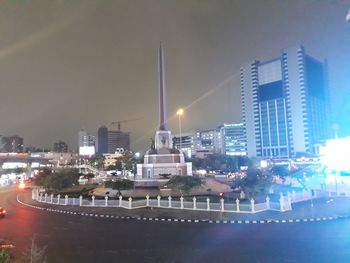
179, 113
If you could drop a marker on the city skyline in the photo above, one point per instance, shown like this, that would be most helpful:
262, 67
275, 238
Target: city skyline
80, 66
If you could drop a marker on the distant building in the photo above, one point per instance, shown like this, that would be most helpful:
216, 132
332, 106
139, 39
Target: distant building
234, 139
111, 159
200, 143
118, 140
60, 147
102, 140
87, 143
228, 139
212, 141
207, 142
284, 105
185, 143
59, 158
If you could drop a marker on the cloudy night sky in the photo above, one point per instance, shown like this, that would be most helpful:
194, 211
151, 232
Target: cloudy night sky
67, 65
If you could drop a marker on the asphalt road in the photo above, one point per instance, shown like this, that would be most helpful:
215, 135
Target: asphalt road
72, 238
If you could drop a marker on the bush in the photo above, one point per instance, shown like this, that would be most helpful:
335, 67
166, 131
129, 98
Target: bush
4, 257
121, 184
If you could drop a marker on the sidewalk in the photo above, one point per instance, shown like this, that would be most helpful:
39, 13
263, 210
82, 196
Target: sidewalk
323, 208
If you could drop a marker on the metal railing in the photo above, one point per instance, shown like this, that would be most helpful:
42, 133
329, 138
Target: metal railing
283, 204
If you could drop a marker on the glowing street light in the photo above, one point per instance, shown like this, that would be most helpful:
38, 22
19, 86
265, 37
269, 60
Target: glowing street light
179, 113
347, 18
21, 185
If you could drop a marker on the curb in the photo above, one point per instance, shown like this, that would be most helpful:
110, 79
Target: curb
177, 220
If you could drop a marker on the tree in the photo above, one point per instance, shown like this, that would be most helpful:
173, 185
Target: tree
126, 162
280, 170
129, 161
233, 163
98, 161
58, 181
41, 176
253, 182
210, 162
12, 143
219, 162
184, 183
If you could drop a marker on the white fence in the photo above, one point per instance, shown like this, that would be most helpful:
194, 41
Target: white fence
284, 203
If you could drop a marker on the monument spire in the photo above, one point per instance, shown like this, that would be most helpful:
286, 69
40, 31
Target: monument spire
162, 91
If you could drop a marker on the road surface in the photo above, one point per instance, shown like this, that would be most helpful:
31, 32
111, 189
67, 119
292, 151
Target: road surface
73, 238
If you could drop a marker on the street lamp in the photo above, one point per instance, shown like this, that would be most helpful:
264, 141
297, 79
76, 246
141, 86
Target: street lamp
179, 113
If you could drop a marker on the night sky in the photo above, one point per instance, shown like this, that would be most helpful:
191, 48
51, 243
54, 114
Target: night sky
67, 65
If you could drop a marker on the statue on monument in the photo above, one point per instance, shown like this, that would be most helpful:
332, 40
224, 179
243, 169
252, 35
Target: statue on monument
163, 140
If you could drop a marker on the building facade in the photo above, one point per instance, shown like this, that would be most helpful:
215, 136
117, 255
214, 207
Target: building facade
102, 140
87, 143
284, 105
201, 143
185, 143
118, 140
234, 139
211, 141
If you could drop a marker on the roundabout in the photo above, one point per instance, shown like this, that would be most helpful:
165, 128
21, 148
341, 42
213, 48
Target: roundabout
73, 236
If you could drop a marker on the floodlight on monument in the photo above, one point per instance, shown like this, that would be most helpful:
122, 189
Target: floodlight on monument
179, 113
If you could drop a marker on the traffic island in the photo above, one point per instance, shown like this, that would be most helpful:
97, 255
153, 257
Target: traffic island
322, 209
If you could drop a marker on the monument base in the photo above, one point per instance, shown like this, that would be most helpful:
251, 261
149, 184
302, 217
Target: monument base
162, 170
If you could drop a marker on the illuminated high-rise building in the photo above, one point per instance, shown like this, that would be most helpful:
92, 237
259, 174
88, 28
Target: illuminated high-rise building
234, 142
285, 104
102, 140
87, 143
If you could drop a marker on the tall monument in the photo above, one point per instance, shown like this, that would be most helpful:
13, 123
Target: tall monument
163, 135
162, 159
